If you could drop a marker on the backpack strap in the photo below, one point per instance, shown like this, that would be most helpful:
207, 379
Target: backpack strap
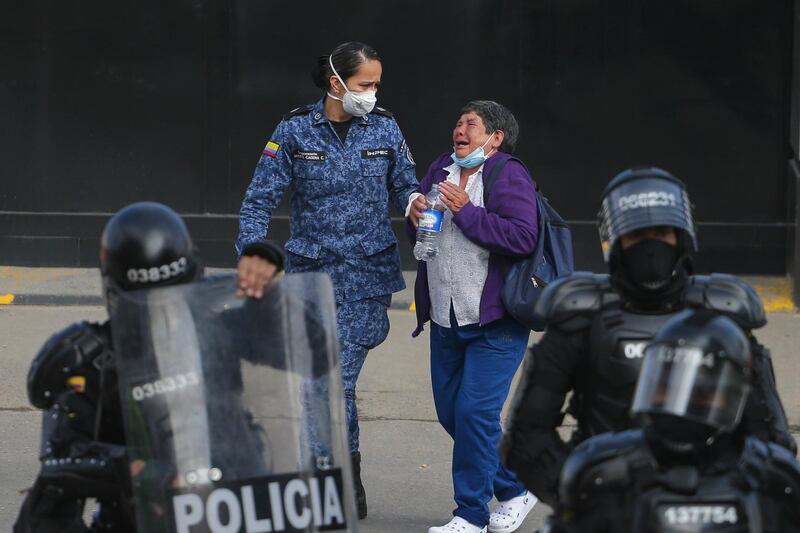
488, 180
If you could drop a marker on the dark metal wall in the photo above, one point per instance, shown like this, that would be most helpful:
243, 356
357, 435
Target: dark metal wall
793, 168
106, 103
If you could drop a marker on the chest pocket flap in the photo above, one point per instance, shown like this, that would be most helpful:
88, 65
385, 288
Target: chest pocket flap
309, 164
375, 167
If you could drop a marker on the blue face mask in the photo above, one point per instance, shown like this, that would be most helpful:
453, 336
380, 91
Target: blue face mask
474, 158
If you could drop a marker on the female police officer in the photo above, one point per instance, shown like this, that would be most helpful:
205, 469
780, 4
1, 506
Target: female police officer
345, 158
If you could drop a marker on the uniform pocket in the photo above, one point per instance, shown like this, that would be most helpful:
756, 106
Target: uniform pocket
373, 179
375, 167
302, 256
315, 179
379, 239
308, 169
303, 247
364, 322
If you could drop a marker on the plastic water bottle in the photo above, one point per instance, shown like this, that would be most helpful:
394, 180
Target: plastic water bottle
430, 226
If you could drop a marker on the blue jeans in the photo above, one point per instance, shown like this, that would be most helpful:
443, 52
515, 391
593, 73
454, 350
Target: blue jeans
471, 371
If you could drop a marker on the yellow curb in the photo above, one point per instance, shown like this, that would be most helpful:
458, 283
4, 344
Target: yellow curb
6, 299
775, 294
778, 304
412, 307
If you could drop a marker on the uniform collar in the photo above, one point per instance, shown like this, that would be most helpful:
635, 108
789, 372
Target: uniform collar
318, 115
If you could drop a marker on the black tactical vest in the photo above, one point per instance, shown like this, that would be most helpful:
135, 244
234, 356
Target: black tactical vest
587, 304
617, 479
605, 388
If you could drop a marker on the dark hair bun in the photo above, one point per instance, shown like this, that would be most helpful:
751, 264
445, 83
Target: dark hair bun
320, 73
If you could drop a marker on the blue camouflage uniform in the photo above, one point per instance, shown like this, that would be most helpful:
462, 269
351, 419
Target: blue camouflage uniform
339, 220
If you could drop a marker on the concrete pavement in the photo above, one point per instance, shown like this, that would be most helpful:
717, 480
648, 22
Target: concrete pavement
82, 286
406, 463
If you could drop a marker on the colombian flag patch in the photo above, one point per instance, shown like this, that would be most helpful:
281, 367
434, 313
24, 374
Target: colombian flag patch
271, 149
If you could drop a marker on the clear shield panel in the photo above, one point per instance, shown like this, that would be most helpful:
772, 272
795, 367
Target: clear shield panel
234, 408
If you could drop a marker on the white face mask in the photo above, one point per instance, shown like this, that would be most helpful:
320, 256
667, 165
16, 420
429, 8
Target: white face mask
356, 104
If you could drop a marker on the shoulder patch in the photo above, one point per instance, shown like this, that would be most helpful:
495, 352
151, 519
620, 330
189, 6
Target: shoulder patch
729, 296
296, 112
271, 149
382, 111
405, 149
574, 297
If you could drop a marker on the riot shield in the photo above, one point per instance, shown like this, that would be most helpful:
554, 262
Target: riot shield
233, 408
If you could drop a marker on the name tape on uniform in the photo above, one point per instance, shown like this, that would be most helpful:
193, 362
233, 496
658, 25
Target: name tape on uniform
387, 153
285, 503
307, 155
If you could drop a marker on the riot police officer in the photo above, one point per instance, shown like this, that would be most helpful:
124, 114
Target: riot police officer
686, 470
598, 326
345, 159
73, 378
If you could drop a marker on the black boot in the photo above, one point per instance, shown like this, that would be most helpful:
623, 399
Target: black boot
361, 496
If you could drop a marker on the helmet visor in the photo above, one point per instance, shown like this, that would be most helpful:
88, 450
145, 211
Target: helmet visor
686, 382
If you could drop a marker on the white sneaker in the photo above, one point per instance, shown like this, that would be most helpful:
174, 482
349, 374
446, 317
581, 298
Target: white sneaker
509, 515
457, 525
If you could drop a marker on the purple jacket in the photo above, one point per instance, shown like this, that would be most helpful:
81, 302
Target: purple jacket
508, 228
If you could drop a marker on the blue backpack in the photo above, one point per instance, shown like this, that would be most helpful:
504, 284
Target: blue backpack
552, 258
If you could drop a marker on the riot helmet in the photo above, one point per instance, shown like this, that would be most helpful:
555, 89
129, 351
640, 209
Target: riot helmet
695, 378
638, 200
145, 245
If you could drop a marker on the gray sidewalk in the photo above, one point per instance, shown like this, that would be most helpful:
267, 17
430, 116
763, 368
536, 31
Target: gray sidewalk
406, 465
82, 286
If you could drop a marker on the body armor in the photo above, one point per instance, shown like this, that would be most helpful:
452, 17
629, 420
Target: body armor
600, 336
603, 395
622, 482
618, 334
74, 380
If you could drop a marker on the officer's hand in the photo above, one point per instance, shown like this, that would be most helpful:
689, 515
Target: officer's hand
255, 274
417, 207
453, 196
